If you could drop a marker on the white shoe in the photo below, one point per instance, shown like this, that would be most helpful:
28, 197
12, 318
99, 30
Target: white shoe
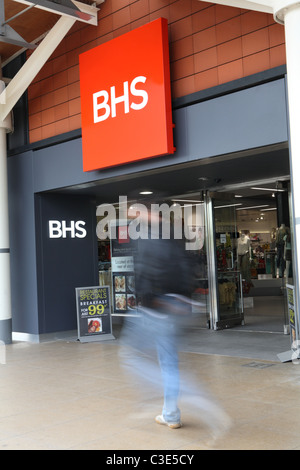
160, 420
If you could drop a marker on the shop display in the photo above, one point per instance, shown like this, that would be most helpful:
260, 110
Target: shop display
227, 293
288, 256
224, 251
282, 235
229, 290
124, 292
228, 277
122, 269
271, 253
244, 256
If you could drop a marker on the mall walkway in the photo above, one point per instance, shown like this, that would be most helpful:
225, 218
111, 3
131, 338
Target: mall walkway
68, 395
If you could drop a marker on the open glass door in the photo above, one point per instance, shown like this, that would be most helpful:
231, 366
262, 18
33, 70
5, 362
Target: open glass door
224, 274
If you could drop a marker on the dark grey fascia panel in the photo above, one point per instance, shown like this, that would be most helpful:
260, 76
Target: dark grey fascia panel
231, 87
22, 244
247, 119
59, 166
251, 118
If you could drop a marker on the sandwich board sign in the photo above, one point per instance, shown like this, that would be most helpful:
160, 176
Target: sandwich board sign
93, 313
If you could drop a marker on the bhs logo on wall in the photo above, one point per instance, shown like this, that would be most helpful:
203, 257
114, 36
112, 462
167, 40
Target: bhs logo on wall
125, 92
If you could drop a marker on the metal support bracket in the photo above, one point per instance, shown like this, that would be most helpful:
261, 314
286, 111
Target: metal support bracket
8, 34
20, 82
71, 8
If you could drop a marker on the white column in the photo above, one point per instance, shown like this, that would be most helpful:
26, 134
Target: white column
21, 81
8, 98
5, 288
289, 15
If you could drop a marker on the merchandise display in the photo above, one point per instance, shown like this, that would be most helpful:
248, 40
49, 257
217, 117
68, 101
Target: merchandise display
234, 264
244, 256
282, 235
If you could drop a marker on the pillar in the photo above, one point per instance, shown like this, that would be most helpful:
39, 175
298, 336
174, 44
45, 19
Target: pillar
5, 288
288, 13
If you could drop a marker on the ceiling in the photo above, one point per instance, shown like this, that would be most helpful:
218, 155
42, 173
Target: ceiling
30, 25
23, 24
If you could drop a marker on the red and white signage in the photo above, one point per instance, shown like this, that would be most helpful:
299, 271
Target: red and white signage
126, 106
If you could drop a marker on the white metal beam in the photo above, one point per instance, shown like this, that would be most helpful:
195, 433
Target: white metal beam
8, 98
265, 6
289, 15
89, 16
20, 82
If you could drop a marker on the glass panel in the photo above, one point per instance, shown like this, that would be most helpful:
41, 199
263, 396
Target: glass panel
228, 262
195, 227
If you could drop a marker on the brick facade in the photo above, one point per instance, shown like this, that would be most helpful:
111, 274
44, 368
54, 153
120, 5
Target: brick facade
209, 45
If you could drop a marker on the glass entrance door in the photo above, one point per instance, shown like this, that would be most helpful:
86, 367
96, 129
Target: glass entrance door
224, 273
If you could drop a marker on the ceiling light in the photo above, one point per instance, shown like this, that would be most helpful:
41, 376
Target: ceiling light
271, 209
229, 205
146, 192
269, 189
185, 200
193, 204
252, 207
237, 195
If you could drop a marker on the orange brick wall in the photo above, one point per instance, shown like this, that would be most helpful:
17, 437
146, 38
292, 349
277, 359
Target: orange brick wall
209, 44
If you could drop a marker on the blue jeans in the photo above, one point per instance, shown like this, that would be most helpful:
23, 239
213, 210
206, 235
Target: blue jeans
167, 353
151, 336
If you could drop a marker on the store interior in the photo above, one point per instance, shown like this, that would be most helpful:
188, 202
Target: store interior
264, 232
255, 216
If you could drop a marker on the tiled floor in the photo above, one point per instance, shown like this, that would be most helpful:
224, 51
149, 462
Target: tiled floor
69, 395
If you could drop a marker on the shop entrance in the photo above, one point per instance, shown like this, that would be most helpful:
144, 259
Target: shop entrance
250, 258
243, 250
225, 266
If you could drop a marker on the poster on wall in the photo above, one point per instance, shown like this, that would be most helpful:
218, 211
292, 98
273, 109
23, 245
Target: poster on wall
294, 353
93, 313
292, 316
123, 249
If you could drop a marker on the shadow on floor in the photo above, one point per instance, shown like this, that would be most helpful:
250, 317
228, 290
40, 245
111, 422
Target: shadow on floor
262, 336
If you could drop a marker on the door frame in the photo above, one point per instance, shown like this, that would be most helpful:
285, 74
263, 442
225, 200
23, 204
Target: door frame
211, 261
215, 322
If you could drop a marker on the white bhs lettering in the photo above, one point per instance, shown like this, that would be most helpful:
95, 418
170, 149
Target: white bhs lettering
59, 229
108, 110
